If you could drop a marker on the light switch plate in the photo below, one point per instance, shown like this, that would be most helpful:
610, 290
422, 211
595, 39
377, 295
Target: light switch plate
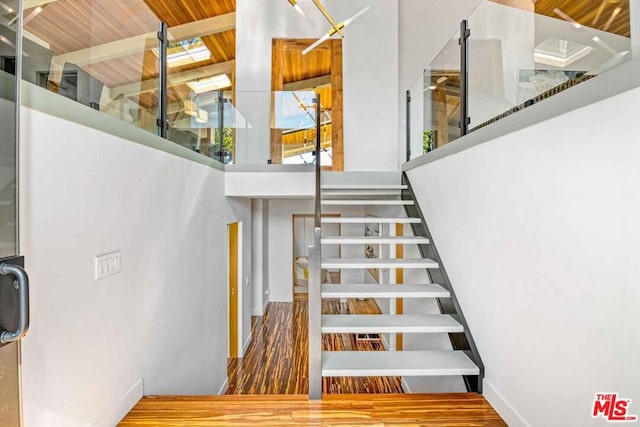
107, 265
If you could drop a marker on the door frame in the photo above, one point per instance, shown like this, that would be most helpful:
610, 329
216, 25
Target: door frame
234, 302
293, 243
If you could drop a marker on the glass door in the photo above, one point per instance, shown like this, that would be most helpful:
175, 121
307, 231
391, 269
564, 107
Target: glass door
14, 316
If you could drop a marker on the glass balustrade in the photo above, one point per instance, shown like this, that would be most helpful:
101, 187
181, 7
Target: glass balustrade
519, 53
102, 54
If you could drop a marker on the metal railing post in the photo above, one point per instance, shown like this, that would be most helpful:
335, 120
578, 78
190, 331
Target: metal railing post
315, 277
221, 124
408, 125
162, 81
318, 157
465, 33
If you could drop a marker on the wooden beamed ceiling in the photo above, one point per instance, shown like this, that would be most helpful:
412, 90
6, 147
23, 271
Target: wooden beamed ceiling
589, 13
69, 26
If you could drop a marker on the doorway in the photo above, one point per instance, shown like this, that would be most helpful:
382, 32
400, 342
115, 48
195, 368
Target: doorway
233, 233
303, 233
295, 80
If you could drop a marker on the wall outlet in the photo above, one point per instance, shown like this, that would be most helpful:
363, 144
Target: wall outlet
107, 265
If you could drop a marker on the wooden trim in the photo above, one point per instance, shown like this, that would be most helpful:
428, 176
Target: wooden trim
337, 112
277, 83
233, 231
399, 281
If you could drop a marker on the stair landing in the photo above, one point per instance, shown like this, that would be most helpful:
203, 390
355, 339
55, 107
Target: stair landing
453, 410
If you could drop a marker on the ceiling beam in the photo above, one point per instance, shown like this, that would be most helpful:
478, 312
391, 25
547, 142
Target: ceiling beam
29, 4
315, 82
141, 43
175, 79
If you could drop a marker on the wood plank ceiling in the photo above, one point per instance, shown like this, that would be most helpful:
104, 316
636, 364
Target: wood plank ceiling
589, 13
72, 25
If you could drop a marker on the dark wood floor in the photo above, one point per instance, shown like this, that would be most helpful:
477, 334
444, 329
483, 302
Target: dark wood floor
276, 361
442, 410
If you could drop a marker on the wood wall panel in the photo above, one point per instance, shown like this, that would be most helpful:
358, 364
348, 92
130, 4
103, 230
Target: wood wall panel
277, 82
337, 113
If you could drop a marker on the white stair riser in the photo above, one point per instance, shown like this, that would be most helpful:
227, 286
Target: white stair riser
344, 240
384, 291
402, 263
369, 220
363, 187
396, 363
367, 202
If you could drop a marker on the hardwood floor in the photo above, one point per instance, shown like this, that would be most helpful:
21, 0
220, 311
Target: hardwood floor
276, 361
268, 387
450, 410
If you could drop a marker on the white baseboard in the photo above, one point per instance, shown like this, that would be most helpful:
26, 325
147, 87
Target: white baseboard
117, 412
225, 387
405, 386
502, 406
246, 345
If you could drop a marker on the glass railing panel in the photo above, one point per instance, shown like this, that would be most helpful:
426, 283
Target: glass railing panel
279, 128
418, 144
293, 127
100, 53
441, 114
521, 53
8, 130
200, 91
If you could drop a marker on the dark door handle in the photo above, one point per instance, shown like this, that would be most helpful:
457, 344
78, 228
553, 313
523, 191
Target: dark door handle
22, 285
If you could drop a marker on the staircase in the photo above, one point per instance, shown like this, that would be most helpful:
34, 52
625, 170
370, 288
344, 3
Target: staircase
463, 360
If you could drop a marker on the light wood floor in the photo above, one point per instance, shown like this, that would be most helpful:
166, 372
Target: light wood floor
276, 361
268, 387
442, 410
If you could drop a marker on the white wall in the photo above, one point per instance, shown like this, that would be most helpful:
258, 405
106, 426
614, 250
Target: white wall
164, 317
538, 230
370, 75
259, 256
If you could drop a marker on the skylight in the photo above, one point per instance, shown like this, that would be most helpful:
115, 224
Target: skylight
187, 52
209, 83
560, 53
